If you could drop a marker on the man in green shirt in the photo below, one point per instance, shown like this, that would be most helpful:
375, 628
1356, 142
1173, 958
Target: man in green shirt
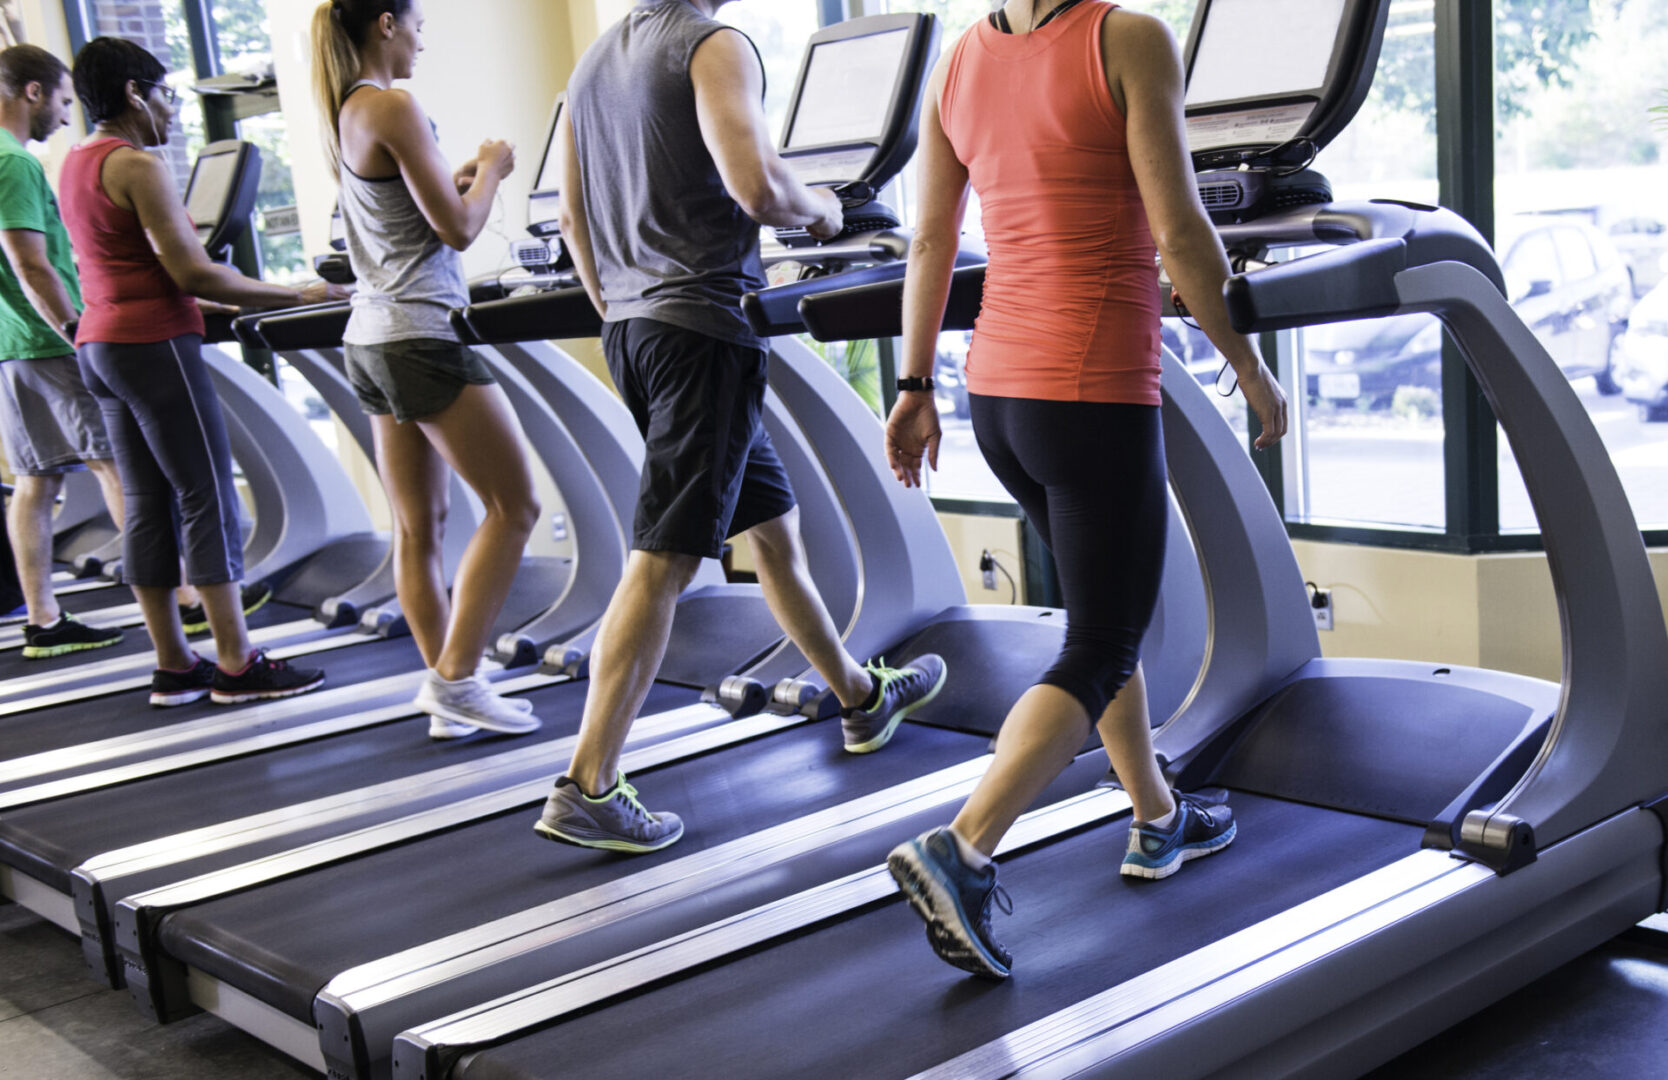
49, 424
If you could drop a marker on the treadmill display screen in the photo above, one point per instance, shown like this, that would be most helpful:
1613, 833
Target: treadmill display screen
848, 91
1231, 62
548, 178
211, 186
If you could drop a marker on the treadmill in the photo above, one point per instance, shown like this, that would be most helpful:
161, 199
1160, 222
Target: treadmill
75, 854
310, 527
1418, 840
257, 941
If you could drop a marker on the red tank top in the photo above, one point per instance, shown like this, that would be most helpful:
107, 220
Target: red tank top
130, 298
1071, 303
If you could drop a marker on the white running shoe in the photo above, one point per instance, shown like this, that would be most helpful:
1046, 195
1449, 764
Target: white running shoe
471, 703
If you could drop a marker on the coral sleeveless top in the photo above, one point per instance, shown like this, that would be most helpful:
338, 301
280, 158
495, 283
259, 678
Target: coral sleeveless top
1071, 302
130, 298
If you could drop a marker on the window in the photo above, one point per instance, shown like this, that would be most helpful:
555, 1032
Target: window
1579, 170
1366, 397
244, 41
159, 27
780, 30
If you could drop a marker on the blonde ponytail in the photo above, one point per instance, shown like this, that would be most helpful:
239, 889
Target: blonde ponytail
335, 67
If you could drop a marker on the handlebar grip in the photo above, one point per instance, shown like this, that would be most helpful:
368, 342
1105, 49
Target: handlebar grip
1340, 285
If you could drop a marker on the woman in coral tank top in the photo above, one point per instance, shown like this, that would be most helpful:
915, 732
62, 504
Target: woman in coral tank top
1067, 119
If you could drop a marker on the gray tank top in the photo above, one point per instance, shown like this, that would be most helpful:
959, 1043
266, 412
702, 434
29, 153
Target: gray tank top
408, 280
670, 242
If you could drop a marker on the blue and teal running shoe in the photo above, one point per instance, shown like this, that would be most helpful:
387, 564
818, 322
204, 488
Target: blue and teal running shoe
954, 900
1200, 829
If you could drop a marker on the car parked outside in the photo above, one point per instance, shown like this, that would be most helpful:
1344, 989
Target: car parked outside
1565, 279
1642, 356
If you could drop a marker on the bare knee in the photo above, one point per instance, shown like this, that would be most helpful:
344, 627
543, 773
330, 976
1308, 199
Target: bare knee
777, 542
421, 533
519, 512
663, 571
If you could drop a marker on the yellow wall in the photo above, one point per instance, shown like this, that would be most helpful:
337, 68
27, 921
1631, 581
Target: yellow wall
490, 70
1495, 611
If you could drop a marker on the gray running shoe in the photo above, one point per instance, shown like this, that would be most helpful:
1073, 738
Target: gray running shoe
474, 703
614, 822
902, 691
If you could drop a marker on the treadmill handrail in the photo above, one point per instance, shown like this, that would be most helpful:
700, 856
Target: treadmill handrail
1607, 748
554, 315
317, 326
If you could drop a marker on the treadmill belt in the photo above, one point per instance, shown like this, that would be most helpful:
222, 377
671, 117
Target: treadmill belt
126, 713
865, 996
284, 942
49, 840
135, 642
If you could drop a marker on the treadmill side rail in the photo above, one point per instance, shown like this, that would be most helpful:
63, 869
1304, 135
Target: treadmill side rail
1340, 998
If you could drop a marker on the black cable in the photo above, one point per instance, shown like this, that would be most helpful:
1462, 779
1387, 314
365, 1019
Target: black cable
1013, 587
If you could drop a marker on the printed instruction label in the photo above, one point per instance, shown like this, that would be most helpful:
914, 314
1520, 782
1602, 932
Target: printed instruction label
1259, 127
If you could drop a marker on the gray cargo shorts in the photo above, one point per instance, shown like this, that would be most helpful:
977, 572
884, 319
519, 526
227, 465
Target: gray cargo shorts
49, 423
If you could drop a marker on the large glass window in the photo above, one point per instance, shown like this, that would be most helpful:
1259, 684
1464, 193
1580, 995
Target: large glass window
159, 27
1581, 226
244, 37
780, 29
1367, 396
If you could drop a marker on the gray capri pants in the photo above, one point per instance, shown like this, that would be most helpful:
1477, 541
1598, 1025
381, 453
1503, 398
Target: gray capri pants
165, 425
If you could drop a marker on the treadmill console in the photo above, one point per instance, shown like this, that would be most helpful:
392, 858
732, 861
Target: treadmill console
221, 195
1254, 128
852, 119
545, 253
335, 267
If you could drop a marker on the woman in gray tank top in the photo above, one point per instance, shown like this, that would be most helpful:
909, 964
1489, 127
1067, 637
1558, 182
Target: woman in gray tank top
432, 402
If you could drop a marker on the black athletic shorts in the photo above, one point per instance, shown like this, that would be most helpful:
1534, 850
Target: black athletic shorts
709, 469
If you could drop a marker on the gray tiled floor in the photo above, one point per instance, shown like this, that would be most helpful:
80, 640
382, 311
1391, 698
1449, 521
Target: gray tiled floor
57, 1023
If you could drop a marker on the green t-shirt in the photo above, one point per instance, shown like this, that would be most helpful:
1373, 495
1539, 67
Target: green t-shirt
27, 202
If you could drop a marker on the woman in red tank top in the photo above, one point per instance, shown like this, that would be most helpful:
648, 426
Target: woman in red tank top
139, 348
1066, 117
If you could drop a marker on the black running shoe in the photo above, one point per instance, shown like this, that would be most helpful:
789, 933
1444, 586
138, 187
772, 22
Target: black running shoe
264, 679
195, 619
182, 687
65, 636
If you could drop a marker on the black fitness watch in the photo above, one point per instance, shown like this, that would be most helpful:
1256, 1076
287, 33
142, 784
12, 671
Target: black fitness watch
914, 383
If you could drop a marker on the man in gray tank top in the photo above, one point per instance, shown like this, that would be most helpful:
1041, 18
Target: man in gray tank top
667, 175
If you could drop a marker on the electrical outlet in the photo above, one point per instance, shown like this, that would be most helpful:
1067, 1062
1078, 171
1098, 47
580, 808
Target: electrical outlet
559, 527
987, 569
1321, 604
990, 580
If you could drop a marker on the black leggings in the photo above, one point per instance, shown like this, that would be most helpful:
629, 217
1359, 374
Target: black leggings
175, 463
1091, 478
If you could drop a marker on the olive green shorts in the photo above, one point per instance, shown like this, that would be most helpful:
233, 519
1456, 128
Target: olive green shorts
413, 379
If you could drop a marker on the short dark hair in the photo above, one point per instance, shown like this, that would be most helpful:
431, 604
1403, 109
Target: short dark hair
21, 65
103, 69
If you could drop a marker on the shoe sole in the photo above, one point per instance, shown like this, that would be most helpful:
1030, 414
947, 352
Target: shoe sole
1184, 855
631, 847
222, 698
898, 718
442, 730
178, 697
923, 888
451, 716
47, 652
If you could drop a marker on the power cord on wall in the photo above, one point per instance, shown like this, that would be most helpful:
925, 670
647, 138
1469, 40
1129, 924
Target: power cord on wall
988, 566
